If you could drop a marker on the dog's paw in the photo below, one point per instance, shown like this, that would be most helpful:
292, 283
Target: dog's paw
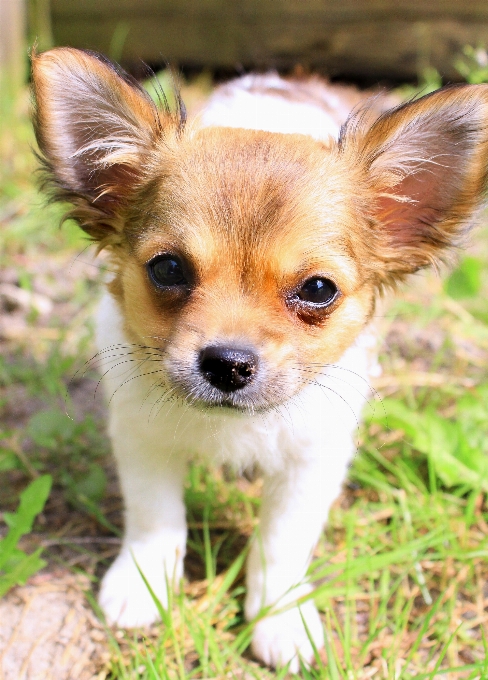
125, 597
282, 638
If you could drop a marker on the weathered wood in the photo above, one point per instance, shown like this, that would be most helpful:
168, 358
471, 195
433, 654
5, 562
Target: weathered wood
13, 53
365, 38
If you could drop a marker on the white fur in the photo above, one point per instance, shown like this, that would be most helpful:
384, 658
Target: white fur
303, 449
236, 105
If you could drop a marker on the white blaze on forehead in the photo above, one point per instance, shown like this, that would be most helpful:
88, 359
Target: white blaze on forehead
238, 105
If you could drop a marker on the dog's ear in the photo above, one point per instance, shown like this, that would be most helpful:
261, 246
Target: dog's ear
95, 128
426, 165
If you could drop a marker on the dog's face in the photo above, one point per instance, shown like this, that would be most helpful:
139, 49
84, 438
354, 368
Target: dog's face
247, 279
251, 260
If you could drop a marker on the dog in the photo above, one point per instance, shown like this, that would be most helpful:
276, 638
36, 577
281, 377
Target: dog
249, 248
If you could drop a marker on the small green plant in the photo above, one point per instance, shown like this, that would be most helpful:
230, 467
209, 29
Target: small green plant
9, 459
465, 280
429, 80
15, 565
473, 65
456, 449
82, 477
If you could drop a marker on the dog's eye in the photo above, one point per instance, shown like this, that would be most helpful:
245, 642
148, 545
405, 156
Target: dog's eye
167, 270
317, 291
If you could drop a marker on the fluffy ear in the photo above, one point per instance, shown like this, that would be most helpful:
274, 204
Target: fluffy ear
95, 127
426, 164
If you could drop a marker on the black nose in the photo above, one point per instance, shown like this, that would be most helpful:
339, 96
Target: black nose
227, 368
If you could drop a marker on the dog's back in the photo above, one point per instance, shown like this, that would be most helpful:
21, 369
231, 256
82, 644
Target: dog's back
304, 105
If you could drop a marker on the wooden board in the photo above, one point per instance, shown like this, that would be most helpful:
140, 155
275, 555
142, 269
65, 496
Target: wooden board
372, 39
13, 47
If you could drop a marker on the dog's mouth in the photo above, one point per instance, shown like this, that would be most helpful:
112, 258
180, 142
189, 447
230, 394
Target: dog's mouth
226, 404
202, 396
246, 409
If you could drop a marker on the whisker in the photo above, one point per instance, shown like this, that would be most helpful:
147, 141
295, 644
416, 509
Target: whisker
162, 399
372, 389
173, 389
149, 392
345, 402
120, 363
140, 375
334, 377
121, 360
184, 412
139, 367
101, 267
347, 370
112, 348
91, 363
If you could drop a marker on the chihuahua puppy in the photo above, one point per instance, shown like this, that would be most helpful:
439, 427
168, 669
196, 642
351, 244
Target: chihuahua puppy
248, 247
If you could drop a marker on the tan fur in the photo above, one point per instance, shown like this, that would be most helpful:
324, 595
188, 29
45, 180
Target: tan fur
427, 166
93, 160
255, 213
248, 254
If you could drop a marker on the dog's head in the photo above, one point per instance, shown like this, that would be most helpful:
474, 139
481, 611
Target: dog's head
250, 259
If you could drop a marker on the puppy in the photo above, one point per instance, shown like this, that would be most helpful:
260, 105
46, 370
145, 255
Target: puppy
249, 247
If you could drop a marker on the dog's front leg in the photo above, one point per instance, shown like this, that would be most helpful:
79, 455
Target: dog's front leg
295, 505
155, 527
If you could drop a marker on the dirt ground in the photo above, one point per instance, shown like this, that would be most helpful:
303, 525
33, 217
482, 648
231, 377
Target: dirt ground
49, 632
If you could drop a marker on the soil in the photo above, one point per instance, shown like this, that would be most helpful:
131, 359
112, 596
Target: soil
48, 631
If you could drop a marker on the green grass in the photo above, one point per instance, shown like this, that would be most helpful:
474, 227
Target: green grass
15, 565
401, 570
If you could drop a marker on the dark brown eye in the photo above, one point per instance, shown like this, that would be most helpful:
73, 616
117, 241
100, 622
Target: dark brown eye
317, 291
167, 271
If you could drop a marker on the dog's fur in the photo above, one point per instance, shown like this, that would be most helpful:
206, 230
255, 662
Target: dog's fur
261, 195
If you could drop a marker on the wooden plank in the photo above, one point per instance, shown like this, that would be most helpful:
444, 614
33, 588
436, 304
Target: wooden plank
355, 10
371, 39
13, 48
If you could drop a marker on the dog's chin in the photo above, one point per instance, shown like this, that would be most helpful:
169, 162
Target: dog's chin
216, 402
228, 406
